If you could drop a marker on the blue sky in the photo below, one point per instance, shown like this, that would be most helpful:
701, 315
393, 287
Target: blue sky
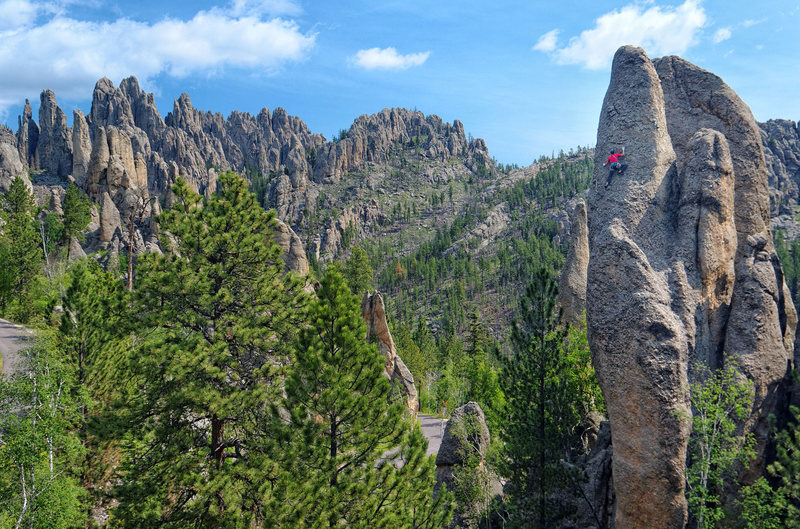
528, 77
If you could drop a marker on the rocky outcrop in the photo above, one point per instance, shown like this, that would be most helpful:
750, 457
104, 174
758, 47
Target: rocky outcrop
81, 148
123, 144
110, 223
781, 141
27, 135
572, 284
596, 502
294, 256
75, 250
53, 151
681, 265
374, 313
465, 442
10, 163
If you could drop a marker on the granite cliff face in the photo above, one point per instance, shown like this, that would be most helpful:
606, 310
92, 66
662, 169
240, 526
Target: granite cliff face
682, 271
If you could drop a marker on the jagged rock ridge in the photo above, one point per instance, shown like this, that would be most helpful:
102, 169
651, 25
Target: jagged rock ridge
123, 147
681, 265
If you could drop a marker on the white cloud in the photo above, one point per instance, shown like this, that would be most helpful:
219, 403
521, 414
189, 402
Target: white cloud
721, 35
659, 30
69, 55
263, 7
751, 22
387, 59
17, 13
547, 42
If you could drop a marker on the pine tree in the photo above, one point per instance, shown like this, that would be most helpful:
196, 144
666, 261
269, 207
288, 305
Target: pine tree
541, 409
91, 324
213, 313
352, 459
77, 213
786, 469
23, 252
358, 272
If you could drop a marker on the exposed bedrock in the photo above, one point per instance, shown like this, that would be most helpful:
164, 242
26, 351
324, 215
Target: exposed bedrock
373, 311
572, 284
682, 271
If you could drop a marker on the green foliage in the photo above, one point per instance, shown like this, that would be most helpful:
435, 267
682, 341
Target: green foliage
543, 408
39, 451
472, 477
52, 231
22, 256
358, 272
719, 402
556, 181
351, 458
214, 314
761, 507
786, 469
580, 371
77, 213
91, 326
790, 261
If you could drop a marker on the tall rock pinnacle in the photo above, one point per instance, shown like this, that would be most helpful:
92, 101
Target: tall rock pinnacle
681, 266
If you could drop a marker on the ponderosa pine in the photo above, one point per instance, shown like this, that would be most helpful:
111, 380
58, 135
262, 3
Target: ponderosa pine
351, 458
214, 314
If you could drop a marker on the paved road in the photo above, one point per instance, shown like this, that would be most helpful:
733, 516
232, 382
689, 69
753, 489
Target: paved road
13, 339
432, 429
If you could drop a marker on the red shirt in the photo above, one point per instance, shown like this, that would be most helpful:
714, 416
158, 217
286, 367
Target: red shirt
614, 158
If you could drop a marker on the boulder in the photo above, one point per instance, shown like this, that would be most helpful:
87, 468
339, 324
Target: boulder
75, 249
464, 446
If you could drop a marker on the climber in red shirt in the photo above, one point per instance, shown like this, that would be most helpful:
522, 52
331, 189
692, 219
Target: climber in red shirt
615, 164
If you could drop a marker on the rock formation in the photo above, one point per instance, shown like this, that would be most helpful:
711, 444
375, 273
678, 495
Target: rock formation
294, 256
781, 141
110, 222
123, 144
27, 135
374, 313
10, 163
465, 439
53, 151
681, 266
572, 285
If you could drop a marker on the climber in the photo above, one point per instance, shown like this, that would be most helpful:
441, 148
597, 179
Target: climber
613, 160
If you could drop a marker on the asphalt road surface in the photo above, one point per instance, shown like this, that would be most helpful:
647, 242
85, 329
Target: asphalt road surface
432, 429
13, 339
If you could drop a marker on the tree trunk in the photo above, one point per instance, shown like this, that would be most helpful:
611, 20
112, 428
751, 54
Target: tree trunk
217, 446
130, 253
